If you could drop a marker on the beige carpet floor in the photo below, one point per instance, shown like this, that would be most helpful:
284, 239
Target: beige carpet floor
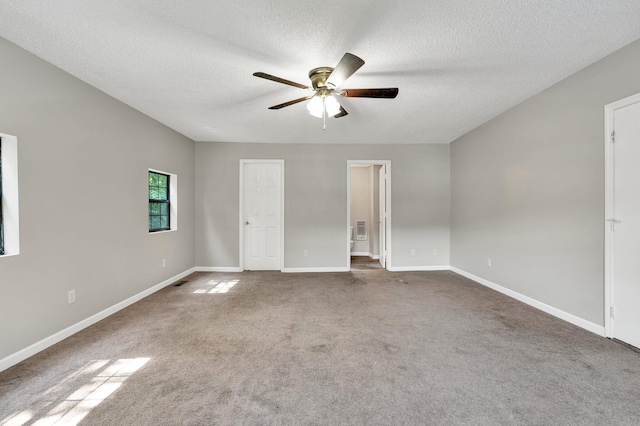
359, 348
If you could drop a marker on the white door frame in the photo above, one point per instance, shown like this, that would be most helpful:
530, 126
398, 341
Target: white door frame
243, 164
382, 208
609, 182
388, 197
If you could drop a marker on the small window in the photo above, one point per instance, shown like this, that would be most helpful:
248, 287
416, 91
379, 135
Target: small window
159, 202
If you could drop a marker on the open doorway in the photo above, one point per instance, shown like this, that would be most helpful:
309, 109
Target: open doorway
368, 214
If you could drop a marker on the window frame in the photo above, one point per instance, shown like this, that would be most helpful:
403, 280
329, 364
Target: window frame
159, 201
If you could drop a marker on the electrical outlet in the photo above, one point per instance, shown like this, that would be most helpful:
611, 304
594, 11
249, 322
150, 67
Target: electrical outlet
164, 263
489, 263
71, 296
306, 253
435, 252
413, 252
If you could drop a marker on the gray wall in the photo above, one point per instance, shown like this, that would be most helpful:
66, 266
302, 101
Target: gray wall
527, 190
83, 160
316, 201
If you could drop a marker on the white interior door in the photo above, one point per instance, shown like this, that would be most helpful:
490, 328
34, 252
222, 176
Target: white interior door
262, 216
382, 221
626, 232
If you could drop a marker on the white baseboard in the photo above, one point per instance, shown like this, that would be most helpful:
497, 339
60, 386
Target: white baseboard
419, 268
580, 322
286, 270
43, 344
217, 269
325, 269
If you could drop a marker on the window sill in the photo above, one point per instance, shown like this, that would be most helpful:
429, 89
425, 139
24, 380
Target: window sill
9, 255
162, 232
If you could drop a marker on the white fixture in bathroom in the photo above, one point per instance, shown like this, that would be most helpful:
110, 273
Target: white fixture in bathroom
352, 241
361, 230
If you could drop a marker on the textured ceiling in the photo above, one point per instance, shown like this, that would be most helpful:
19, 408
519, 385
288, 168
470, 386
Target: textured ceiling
189, 63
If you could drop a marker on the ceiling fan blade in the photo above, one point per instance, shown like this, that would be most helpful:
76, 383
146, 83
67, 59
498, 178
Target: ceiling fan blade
341, 113
280, 80
388, 93
345, 69
295, 101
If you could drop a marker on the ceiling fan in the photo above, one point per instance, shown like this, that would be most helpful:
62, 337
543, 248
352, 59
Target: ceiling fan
325, 83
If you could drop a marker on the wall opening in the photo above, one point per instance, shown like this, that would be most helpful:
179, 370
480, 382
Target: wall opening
368, 227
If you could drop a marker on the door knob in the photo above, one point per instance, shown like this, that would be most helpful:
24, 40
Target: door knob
247, 222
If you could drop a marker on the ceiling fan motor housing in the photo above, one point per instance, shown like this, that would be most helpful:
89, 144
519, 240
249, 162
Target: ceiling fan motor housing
319, 76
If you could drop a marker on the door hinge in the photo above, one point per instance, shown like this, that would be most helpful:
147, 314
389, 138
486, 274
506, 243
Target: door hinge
613, 222
611, 315
613, 137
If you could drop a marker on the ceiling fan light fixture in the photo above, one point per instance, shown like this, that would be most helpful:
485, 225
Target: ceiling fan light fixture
316, 106
332, 106
319, 104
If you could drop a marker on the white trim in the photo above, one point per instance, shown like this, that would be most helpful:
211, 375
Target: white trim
419, 268
362, 163
218, 269
372, 209
608, 213
43, 344
243, 162
580, 322
609, 160
323, 269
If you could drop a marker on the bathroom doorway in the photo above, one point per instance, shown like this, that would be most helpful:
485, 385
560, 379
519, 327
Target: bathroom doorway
368, 214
